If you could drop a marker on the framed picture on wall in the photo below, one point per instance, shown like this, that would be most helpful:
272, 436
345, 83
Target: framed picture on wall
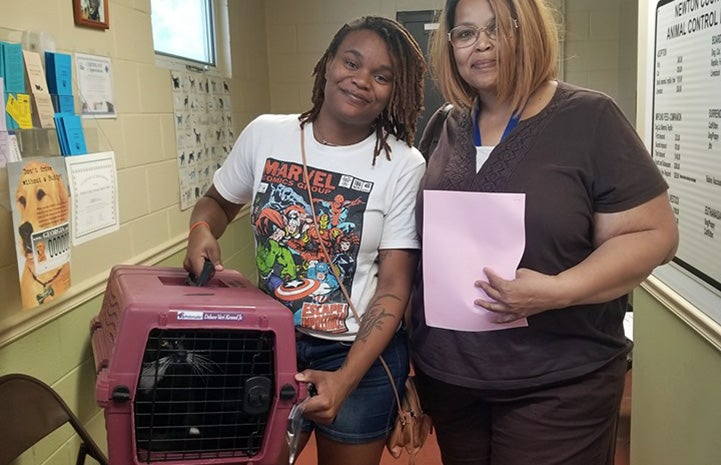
91, 13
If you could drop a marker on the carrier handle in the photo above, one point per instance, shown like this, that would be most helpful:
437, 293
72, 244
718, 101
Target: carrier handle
205, 275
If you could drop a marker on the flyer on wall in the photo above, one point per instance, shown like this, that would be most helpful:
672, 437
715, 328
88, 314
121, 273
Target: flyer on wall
94, 194
40, 204
95, 86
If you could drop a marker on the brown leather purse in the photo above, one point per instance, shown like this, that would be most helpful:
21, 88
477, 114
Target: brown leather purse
412, 425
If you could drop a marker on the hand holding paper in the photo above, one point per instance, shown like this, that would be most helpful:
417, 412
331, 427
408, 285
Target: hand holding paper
510, 300
465, 233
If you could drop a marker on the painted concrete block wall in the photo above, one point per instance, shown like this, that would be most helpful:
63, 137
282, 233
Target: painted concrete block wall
676, 413
299, 32
600, 45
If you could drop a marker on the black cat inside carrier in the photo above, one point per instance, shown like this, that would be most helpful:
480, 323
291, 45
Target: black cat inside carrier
193, 375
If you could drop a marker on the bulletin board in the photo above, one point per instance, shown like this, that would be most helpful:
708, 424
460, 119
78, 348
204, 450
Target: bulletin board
686, 131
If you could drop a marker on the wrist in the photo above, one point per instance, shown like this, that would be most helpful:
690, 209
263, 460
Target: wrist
565, 290
199, 224
348, 378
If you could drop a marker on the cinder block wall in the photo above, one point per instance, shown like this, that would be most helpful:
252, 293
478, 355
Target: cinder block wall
600, 48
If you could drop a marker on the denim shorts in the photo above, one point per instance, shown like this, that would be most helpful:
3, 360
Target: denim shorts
370, 410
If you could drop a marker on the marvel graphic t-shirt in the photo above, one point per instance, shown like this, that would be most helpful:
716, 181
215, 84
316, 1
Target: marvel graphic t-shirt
360, 208
295, 255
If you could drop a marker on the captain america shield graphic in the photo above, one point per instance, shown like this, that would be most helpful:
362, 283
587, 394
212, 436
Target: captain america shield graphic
296, 289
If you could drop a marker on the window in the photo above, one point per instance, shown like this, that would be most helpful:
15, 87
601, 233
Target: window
191, 32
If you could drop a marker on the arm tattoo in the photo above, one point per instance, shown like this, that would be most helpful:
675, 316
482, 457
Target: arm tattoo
374, 317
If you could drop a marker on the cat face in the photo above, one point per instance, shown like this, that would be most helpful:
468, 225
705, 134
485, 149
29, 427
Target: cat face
169, 377
171, 355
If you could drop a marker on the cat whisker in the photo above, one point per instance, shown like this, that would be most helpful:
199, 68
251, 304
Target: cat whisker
203, 360
202, 365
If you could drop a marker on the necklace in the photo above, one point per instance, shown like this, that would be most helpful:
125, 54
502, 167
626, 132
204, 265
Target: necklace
325, 142
328, 143
321, 139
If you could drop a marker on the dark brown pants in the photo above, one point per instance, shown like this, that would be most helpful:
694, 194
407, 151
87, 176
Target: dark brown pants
568, 424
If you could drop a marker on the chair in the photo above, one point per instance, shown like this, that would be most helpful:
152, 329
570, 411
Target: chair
30, 410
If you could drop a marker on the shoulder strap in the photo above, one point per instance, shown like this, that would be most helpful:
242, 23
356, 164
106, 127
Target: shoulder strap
333, 269
432, 134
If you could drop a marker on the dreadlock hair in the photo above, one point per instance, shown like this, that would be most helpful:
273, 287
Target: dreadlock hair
400, 116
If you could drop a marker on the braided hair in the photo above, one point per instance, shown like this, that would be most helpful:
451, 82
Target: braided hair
400, 116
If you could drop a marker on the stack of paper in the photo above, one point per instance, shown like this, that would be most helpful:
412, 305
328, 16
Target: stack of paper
43, 105
12, 72
70, 134
58, 70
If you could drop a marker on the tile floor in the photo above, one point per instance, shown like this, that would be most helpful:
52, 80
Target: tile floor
430, 454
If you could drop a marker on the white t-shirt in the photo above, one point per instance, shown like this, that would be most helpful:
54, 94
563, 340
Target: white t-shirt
360, 208
482, 154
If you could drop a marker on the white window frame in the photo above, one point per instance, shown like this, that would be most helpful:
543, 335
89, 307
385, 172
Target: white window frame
222, 47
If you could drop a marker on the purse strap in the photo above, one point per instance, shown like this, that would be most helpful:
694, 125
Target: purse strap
323, 249
435, 126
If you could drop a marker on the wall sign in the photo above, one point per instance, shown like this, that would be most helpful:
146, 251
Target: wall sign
686, 131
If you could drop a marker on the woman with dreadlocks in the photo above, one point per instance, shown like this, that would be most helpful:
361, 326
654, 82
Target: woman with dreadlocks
354, 144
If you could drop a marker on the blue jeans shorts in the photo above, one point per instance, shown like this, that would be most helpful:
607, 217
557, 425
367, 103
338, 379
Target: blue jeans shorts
370, 410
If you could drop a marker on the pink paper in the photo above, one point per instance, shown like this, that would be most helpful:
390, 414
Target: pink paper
464, 232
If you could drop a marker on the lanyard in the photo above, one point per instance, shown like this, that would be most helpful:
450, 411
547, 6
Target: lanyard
512, 123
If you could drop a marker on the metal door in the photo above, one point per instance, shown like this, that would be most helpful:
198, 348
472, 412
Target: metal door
421, 24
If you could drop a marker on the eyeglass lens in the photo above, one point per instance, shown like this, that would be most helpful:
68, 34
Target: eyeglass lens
465, 36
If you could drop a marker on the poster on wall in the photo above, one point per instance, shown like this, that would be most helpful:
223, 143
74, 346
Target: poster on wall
95, 86
686, 134
94, 194
203, 130
40, 204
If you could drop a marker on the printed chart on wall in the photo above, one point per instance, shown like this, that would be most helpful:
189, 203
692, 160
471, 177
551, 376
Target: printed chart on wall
686, 128
203, 130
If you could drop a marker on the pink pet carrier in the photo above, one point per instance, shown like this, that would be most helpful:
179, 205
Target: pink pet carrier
193, 375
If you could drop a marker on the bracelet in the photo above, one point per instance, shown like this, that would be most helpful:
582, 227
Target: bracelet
199, 223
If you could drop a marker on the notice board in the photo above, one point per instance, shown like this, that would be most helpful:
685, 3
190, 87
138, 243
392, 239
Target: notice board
686, 129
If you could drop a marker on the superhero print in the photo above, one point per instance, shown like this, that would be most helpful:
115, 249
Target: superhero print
296, 258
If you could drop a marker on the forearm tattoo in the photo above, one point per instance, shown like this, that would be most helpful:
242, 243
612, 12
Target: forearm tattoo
375, 316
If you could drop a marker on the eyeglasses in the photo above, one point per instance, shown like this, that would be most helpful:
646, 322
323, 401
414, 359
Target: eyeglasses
467, 35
